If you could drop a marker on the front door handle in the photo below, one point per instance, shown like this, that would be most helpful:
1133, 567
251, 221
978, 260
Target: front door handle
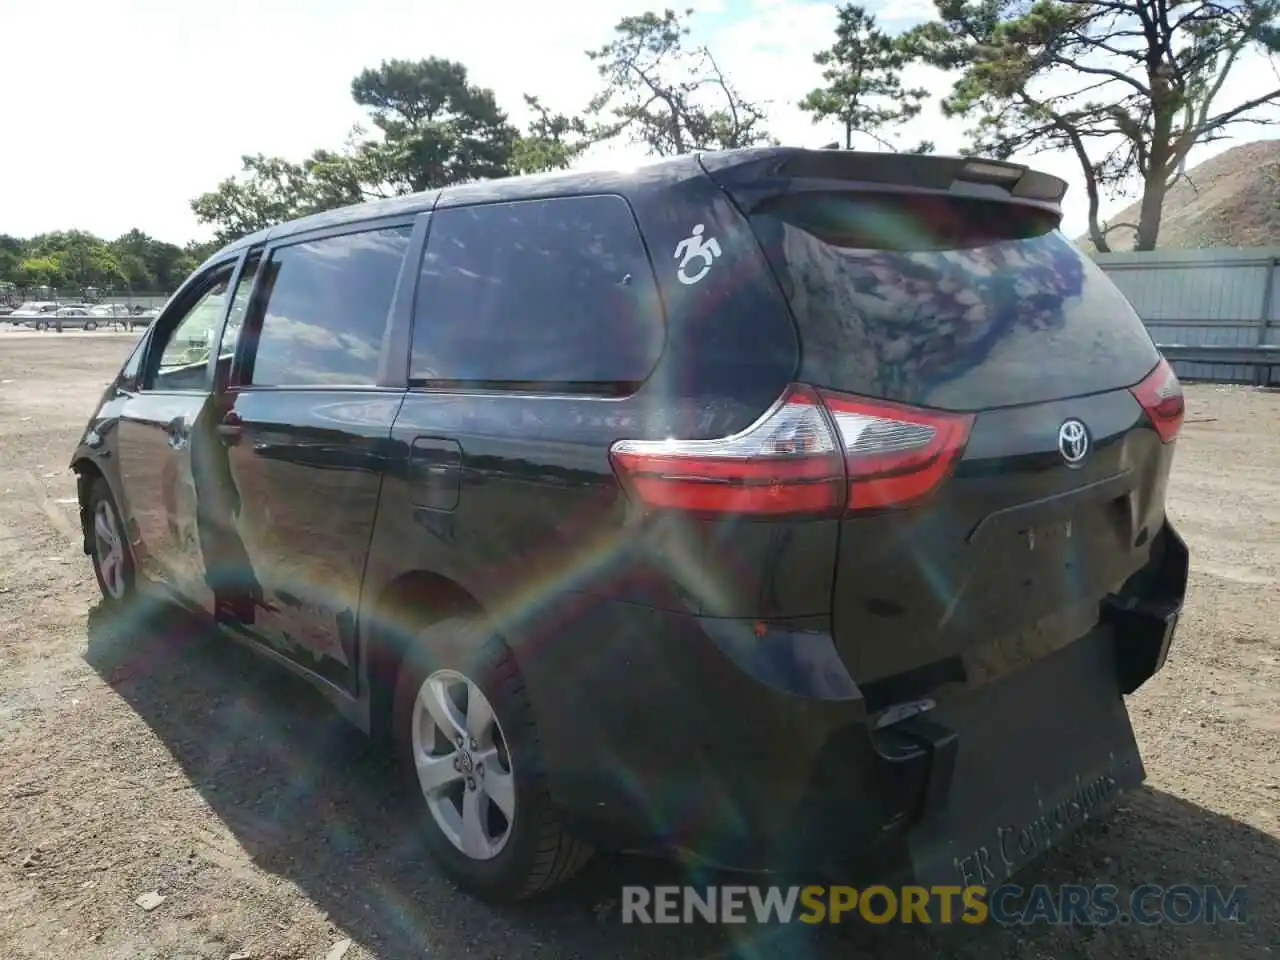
231, 428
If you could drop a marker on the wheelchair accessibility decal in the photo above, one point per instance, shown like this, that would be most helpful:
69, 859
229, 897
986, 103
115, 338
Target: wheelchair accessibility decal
692, 248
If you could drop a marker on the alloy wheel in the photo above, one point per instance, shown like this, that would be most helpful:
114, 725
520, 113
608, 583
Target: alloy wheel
463, 764
108, 552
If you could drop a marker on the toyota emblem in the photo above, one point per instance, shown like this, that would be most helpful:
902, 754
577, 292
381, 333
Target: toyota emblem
1073, 442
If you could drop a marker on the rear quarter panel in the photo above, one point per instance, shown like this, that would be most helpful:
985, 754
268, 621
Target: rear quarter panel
540, 503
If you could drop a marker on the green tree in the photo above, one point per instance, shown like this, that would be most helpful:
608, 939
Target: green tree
169, 265
11, 256
1128, 87
553, 140
80, 258
668, 98
437, 127
863, 73
358, 171
198, 251
431, 128
69, 258
267, 191
133, 252
149, 264
37, 271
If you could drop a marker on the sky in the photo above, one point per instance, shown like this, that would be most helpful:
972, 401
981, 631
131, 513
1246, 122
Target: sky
115, 113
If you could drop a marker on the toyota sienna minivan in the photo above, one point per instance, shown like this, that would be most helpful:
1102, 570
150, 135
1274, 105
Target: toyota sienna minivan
771, 509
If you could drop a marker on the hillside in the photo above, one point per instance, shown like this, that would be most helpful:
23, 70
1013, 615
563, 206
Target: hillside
1232, 200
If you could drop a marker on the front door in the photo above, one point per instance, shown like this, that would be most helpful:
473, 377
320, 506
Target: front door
307, 435
159, 437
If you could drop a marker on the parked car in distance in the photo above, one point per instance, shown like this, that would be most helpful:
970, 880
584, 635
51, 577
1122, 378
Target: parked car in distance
765, 508
67, 317
27, 313
143, 317
120, 315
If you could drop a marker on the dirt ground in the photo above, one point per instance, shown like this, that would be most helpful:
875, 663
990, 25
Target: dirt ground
165, 760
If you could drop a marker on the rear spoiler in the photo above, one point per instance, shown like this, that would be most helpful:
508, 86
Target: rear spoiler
757, 174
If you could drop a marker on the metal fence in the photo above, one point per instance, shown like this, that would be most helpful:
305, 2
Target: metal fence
1214, 313
13, 296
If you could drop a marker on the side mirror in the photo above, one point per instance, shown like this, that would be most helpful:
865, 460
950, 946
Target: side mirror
131, 375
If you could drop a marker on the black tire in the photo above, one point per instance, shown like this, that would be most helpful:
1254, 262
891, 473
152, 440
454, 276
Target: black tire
90, 326
114, 596
42, 324
539, 853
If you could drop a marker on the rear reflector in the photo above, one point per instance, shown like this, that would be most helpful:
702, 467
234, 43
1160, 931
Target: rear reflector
791, 461
1161, 397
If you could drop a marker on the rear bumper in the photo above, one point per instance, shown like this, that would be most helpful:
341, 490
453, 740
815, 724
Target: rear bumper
1145, 613
667, 731
749, 746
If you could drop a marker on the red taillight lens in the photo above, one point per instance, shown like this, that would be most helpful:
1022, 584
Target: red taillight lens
895, 455
1161, 396
786, 462
790, 462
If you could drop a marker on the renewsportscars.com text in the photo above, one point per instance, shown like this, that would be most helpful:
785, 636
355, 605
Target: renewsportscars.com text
1007, 905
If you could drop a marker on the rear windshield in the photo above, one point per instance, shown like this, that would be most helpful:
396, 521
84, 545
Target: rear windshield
945, 302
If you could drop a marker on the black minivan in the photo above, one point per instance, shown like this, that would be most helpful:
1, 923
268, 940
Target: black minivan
769, 508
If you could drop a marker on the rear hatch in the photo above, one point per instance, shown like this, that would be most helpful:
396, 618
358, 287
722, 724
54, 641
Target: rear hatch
1006, 419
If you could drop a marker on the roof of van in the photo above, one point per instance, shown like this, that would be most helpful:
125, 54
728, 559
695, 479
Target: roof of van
726, 166
527, 187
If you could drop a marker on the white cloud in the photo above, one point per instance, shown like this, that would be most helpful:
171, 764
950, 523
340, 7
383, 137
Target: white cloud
146, 103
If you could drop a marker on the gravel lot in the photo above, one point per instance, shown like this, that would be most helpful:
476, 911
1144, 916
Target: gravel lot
137, 760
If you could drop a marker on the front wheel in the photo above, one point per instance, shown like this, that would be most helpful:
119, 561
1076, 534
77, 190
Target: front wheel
90, 326
465, 734
42, 324
112, 556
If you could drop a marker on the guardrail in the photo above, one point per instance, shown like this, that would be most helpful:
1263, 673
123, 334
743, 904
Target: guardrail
1264, 358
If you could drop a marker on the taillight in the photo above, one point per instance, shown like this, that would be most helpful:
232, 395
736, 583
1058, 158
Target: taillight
786, 462
895, 455
1161, 396
881, 455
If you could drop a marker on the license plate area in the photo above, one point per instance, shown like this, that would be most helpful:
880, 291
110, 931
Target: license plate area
1039, 753
1032, 561
1038, 551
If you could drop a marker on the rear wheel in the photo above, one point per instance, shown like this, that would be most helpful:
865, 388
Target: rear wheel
90, 325
465, 735
42, 324
112, 557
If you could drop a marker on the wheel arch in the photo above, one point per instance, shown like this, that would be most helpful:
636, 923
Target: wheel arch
391, 622
87, 473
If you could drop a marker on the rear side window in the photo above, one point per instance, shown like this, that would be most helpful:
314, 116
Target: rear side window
947, 302
537, 292
326, 305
